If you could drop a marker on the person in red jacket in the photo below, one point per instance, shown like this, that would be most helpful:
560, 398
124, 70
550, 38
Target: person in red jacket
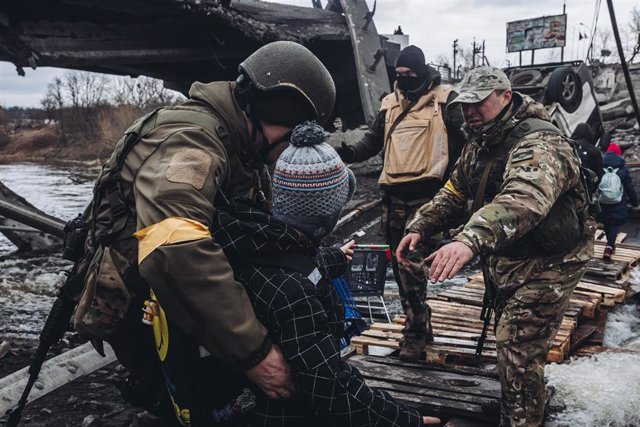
614, 215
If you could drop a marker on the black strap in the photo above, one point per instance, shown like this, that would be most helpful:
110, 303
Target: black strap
478, 201
523, 129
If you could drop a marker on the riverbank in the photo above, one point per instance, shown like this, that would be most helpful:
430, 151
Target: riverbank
44, 145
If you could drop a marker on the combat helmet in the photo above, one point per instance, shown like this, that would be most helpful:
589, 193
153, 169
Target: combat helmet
286, 73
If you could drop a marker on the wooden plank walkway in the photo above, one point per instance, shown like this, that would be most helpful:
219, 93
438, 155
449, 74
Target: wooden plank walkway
444, 392
457, 325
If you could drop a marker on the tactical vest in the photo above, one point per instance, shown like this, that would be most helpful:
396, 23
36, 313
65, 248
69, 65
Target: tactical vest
564, 225
415, 138
109, 307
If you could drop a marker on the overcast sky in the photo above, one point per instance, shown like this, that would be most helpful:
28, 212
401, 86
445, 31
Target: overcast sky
431, 24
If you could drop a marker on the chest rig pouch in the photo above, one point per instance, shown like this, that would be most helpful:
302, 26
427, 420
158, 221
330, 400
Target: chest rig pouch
565, 224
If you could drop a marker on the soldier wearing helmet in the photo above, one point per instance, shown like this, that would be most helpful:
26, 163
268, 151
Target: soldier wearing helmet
519, 188
163, 184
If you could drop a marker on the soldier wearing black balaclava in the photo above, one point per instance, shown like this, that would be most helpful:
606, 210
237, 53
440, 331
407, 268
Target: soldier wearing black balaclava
421, 140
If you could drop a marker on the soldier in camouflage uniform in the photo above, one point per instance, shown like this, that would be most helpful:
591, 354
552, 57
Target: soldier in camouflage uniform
519, 184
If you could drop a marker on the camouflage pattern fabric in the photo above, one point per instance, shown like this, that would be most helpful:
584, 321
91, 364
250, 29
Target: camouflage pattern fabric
528, 325
412, 284
478, 83
413, 295
103, 304
534, 173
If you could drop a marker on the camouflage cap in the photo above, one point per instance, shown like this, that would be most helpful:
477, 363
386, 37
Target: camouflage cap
478, 83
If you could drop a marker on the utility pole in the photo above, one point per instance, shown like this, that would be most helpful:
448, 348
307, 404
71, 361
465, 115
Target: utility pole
564, 12
473, 55
623, 61
483, 53
455, 53
476, 51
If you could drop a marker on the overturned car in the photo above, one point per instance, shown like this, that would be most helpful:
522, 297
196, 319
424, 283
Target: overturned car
565, 88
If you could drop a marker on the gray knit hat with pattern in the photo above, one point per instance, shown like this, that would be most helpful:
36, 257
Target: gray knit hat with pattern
311, 184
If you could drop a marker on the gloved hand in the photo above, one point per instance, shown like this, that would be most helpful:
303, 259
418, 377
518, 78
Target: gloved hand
345, 152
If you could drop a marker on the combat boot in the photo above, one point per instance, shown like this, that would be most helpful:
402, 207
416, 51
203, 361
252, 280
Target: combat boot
412, 348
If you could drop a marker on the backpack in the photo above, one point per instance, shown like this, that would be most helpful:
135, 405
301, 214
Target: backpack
113, 291
610, 189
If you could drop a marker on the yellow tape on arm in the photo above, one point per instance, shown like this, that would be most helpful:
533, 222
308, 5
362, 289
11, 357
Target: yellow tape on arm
168, 231
449, 186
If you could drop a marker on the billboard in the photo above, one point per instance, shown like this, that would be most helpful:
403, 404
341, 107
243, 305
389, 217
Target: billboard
536, 33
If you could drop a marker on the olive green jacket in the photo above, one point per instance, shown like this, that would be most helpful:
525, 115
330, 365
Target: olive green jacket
178, 171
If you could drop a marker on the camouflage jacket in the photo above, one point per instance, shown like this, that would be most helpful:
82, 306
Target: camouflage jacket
525, 182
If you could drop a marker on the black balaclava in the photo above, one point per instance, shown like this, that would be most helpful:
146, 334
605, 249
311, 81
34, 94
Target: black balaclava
413, 58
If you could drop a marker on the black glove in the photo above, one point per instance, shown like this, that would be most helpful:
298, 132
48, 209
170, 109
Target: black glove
346, 152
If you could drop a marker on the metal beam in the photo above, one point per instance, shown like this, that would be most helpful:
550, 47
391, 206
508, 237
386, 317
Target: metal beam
32, 218
367, 51
623, 61
55, 373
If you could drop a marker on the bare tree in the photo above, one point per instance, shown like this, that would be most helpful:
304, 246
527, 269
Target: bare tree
465, 60
603, 45
86, 93
634, 29
4, 119
54, 104
86, 90
143, 93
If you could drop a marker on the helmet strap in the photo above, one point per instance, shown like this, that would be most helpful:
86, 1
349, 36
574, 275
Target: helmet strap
244, 91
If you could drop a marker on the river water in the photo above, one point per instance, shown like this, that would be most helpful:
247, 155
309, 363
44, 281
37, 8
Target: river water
29, 284
602, 390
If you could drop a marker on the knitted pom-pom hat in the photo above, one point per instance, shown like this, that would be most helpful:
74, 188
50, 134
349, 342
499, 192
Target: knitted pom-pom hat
310, 183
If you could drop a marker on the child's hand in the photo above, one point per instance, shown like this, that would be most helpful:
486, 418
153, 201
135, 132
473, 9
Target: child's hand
348, 249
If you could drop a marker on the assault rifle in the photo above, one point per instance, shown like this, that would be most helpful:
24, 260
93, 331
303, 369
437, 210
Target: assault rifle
491, 295
58, 319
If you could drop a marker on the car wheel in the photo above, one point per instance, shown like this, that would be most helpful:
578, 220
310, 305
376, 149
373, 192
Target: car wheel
525, 78
565, 87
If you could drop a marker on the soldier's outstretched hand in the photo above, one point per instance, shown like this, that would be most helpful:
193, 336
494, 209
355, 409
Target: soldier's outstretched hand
448, 260
407, 244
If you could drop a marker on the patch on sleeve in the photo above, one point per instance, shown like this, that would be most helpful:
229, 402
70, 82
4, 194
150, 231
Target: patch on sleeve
521, 156
190, 166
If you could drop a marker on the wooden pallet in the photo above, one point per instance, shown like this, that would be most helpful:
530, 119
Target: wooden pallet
610, 295
585, 303
437, 391
457, 326
590, 350
624, 253
456, 330
607, 270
